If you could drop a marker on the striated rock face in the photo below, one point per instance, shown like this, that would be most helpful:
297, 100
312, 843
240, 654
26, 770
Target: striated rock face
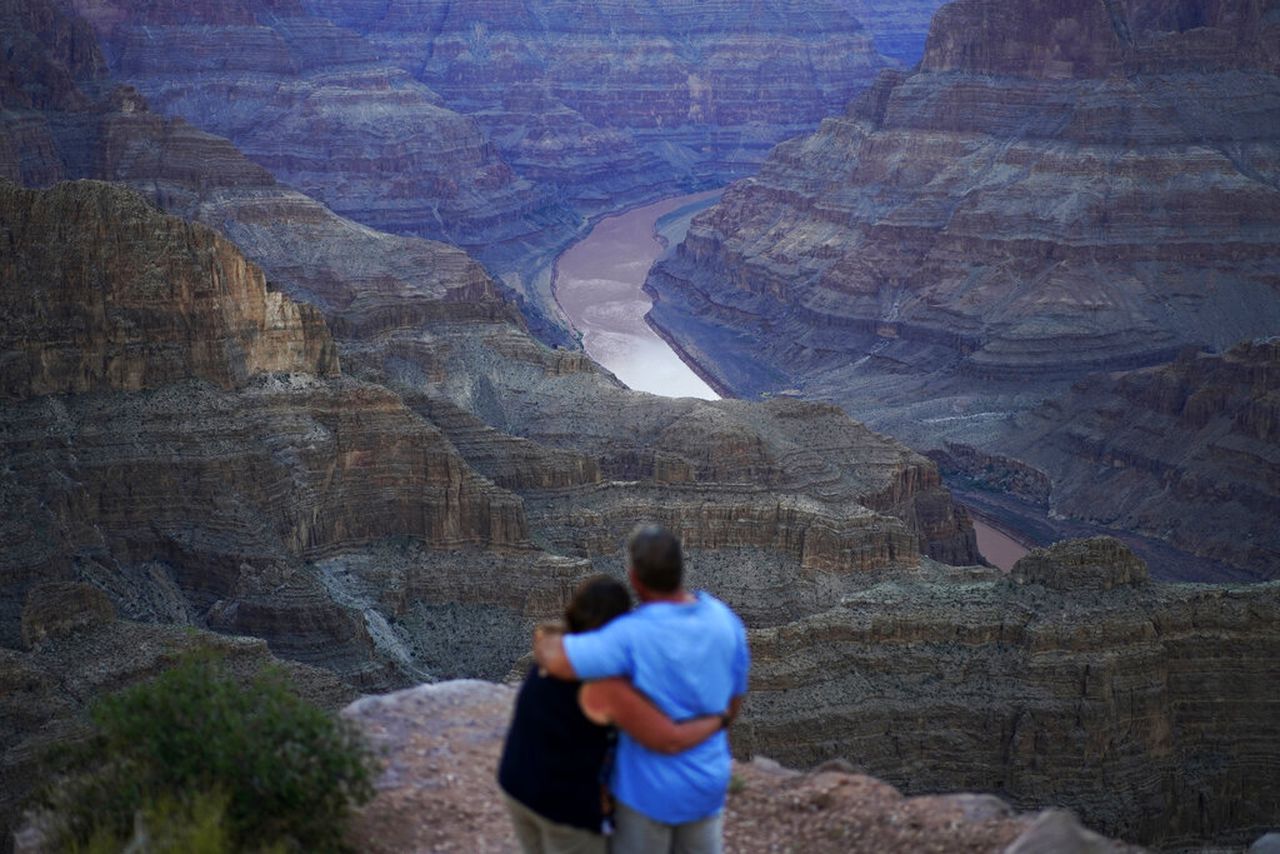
1189, 451
192, 474
1062, 188
1074, 682
438, 792
161, 301
495, 126
317, 106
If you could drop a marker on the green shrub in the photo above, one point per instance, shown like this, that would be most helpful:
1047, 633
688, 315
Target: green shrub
278, 770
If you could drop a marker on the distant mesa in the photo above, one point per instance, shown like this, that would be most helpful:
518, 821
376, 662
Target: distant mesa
1102, 563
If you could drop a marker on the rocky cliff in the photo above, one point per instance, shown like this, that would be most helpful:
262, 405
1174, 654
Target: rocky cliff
438, 793
1073, 681
912, 235
495, 126
1060, 188
178, 434
448, 488
162, 301
1188, 451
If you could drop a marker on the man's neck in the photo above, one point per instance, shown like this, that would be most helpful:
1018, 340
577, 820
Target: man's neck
676, 597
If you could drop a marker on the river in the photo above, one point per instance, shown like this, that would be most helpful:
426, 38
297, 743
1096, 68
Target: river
598, 284
1000, 549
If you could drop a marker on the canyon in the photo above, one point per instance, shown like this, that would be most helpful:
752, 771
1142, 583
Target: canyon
501, 127
1078, 188
232, 412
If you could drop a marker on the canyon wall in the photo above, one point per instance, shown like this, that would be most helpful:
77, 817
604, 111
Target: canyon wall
406, 515
1062, 188
497, 126
1147, 708
1187, 451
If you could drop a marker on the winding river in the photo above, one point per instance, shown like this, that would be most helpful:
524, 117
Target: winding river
599, 281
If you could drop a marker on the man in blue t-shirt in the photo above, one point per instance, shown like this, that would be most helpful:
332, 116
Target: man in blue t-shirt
688, 654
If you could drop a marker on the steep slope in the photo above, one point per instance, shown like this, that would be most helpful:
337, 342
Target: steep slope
1063, 188
1069, 186
316, 105
555, 112
177, 434
1144, 707
1187, 451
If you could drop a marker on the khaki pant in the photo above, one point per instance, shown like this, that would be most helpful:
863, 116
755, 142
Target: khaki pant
636, 833
537, 835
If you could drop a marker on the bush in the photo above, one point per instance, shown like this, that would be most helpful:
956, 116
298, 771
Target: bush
164, 754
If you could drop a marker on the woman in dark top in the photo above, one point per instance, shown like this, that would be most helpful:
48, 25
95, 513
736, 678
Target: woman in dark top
554, 763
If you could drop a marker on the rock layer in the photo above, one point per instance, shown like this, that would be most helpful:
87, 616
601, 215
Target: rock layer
316, 105
912, 235
555, 111
1075, 681
1188, 451
1069, 187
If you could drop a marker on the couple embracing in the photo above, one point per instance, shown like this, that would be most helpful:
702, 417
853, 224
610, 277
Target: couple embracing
668, 678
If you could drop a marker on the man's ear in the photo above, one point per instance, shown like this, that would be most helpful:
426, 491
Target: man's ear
636, 584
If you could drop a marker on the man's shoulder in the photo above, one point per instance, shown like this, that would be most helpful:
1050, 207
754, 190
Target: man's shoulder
719, 610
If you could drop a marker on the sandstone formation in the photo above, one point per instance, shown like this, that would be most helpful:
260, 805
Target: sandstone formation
438, 793
162, 301
1075, 681
1065, 187
411, 517
1188, 451
317, 106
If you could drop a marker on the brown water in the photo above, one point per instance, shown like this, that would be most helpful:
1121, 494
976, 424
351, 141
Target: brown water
998, 547
598, 285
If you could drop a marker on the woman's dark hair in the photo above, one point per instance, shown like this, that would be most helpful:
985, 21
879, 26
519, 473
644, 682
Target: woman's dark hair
597, 601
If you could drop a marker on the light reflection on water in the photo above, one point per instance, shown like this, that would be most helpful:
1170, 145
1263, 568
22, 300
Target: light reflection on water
598, 285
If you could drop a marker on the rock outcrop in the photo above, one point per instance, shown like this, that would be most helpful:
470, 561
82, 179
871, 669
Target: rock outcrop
160, 301
1188, 451
1074, 681
1063, 188
912, 236
438, 793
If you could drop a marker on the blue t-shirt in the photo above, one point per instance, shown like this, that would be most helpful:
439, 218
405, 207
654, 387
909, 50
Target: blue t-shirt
690, 659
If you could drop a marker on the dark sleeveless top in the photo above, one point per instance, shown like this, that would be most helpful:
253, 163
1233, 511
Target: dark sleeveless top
553, 757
